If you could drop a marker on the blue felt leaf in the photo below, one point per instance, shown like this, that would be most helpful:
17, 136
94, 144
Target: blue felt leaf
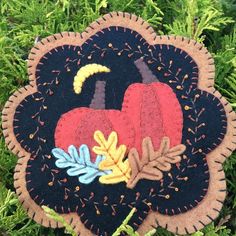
79, 164
63, 158
99, 159
73, 153
84, 154
60, 153
77, 170
93, 171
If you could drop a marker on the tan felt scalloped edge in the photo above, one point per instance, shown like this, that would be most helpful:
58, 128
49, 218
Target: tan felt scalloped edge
189, 222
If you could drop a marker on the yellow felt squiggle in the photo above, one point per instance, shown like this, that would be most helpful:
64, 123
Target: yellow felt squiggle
85, 72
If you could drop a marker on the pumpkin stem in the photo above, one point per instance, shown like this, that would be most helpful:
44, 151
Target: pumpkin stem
98, 101
147, 75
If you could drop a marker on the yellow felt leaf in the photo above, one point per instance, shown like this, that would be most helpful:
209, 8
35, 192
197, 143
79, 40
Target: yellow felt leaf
114, 158
112, 178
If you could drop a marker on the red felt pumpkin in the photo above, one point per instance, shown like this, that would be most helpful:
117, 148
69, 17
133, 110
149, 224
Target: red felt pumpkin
77, 127
155, 112
149, 110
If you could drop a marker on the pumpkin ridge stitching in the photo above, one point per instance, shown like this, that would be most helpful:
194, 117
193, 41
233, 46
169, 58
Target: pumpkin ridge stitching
158, 103
178, 121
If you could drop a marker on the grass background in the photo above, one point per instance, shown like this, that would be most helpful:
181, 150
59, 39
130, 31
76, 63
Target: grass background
22, 22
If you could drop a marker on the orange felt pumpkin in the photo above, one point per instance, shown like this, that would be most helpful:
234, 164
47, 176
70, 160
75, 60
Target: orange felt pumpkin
150, 109
155, 112
77, 127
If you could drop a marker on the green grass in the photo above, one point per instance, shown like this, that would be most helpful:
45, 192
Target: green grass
21, 21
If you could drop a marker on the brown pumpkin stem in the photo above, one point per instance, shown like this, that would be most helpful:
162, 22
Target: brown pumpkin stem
98, 101
147, 75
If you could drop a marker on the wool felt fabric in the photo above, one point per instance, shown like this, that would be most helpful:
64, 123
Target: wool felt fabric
155, 87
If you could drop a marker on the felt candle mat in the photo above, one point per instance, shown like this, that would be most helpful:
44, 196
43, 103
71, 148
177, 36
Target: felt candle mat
117, 118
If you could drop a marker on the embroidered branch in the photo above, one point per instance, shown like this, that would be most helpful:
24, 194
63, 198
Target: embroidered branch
114, 158
153, 163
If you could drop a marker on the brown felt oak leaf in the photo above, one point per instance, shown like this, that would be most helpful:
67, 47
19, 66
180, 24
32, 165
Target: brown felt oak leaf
114, 158
153, 163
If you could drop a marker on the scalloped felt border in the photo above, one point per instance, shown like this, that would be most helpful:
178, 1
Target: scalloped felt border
189, 222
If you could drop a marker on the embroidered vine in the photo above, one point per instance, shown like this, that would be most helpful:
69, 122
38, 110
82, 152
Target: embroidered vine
114, 158
153, 163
